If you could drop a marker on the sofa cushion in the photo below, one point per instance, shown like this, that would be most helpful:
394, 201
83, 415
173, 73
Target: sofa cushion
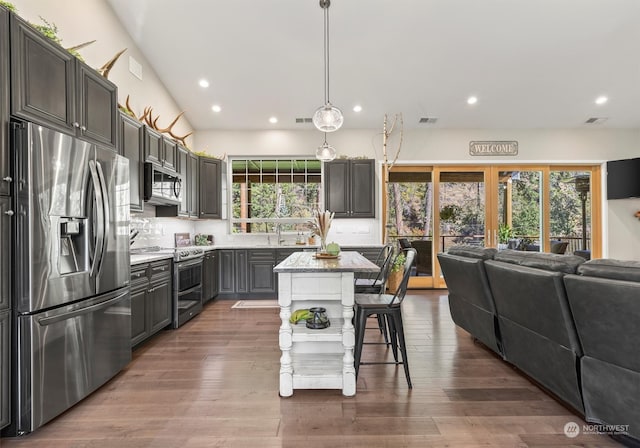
511, 256
614, 269
553, 262
482, 253
546, 261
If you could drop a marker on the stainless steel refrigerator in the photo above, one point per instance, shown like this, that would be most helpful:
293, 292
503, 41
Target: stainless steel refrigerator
71, 304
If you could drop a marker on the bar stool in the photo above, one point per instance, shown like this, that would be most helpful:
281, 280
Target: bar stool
388, 306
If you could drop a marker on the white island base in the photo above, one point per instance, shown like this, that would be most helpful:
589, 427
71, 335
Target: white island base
317, 359
312, 358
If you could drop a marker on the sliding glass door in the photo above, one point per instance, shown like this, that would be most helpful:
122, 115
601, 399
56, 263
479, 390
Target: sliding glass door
544, 208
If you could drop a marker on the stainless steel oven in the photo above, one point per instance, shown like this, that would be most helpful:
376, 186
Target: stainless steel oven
187, 285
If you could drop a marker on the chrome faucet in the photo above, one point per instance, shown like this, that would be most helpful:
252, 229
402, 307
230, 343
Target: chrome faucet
279, 234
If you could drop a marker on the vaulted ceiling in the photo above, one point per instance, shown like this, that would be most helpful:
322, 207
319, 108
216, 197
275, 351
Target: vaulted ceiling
530, 63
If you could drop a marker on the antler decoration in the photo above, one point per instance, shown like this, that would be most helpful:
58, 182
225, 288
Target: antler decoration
637, 214
106, 68
149, 120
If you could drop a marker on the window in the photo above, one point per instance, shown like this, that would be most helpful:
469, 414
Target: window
270, 192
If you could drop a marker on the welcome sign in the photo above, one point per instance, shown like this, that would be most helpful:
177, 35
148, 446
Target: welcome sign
493, 148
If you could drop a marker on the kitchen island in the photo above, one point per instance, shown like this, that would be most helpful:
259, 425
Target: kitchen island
318, 358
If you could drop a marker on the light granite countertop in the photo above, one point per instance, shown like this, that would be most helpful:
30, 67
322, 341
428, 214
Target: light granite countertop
149, 257
347, 261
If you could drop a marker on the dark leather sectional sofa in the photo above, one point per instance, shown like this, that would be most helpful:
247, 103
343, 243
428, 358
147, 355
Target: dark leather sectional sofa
571, 325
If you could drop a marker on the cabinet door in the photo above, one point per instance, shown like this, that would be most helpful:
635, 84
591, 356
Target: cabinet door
152, 146
159, 305
261, 275
130, 144
5, 253
5, 172
226, 271
242, 270
139, 331
183, 169
43, 78
209, 276
97, 109
169, 154
5, 334
194, 185
210, 188
362, 180
336, 187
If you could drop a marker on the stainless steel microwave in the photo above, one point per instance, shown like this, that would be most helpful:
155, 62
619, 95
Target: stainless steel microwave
161, 186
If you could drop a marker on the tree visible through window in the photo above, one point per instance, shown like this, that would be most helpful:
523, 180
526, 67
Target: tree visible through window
270, 192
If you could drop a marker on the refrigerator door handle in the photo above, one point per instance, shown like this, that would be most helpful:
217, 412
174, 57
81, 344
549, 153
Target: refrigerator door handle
44, 321
99, 197
106, 208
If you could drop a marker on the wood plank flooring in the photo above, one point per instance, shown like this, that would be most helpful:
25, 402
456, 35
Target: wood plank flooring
214, 383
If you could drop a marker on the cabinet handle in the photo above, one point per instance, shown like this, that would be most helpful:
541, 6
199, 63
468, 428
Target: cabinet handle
9, 213
7, 179
84, 128
151, 290
76, 124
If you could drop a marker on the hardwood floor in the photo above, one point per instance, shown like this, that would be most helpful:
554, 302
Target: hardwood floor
214, 383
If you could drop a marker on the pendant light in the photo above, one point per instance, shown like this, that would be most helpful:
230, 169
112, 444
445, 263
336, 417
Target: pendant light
327, 118
325, 152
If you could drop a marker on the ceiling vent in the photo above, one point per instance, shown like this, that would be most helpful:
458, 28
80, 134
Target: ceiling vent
428, 120
304, 120
596, 120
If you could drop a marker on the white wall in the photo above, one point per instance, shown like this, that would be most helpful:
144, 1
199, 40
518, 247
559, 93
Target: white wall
443, 145
80, 21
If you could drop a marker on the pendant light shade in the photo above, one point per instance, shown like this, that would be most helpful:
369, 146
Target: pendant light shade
327, 118
325, 152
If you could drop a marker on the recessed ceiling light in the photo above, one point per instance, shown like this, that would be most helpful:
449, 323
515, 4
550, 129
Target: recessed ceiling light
601, 100
203, 83
357, 108
216, 108
273, 120
472, 100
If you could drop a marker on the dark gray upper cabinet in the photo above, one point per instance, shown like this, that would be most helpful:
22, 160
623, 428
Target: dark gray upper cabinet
6, 216
183, 168
194, 185
50, 86
210, 200
350, 188
160, 150
5, 172
152, 146
130, 145
169, 153
97, 109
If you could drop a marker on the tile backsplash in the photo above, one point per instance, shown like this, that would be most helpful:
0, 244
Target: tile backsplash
160, 231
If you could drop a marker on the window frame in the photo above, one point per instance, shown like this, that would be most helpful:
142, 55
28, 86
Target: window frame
274, 221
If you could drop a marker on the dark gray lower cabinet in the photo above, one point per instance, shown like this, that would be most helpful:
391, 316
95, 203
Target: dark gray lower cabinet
151, 299
4, 368
261, 276
209, 276
6, 216
226, 271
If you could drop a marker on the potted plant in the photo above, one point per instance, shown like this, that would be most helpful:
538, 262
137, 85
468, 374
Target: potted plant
395, 273
505, 233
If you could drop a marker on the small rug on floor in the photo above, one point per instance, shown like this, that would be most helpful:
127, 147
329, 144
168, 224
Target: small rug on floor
256, 304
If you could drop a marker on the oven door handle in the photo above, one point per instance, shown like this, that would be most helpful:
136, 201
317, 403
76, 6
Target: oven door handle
189, 291
189, 263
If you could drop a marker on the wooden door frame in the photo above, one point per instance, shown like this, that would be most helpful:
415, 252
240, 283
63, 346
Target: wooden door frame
491, 205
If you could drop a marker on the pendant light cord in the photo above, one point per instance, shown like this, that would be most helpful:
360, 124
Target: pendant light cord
326, 52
